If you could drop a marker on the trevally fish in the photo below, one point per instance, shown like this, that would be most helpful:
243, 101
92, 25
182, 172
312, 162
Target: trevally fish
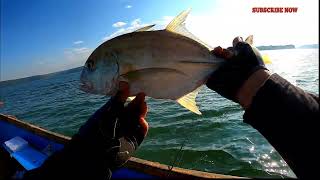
164, 64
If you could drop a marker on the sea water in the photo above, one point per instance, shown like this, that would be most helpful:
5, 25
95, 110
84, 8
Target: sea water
218, 141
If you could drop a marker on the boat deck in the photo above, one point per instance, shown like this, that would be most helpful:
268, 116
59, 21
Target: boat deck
39, 138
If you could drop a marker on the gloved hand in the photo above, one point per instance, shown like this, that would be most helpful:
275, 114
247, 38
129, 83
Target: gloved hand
116, 129
105, 142
242, 60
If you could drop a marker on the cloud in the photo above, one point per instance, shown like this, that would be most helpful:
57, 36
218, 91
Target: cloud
77, 54
128, 6
219, 25
135, 24
117, 33
119, 24
81, 50
165, 20
77, 42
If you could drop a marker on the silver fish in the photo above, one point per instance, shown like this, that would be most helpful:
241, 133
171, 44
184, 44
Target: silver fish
164, 64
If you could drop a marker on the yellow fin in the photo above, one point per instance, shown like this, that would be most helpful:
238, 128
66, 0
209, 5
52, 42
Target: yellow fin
249, 40
177, 25
178, 21
266, 59
145, 28
131, 98
189, 101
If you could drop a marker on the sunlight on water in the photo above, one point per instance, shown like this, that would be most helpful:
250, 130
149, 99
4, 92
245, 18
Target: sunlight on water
218, 141
295, 66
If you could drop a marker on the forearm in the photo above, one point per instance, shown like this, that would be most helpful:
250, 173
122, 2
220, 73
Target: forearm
286, 116
277, 97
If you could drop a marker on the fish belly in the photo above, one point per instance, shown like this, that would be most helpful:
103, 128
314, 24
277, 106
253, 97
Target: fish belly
168, 82
164, 65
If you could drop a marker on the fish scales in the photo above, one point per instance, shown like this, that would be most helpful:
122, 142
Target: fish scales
163, 64
160, 47
161, 51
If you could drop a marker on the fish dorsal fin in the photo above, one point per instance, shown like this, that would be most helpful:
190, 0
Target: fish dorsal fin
177, 25
145, 28
178, 21
249, 40
189, 101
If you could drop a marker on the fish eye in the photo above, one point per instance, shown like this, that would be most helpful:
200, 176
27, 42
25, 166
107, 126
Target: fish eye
90, 65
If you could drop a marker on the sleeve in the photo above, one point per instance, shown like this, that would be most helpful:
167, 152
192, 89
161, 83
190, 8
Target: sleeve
286, 116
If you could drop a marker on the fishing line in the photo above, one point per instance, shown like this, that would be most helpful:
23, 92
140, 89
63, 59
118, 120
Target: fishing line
179, 155
174, 162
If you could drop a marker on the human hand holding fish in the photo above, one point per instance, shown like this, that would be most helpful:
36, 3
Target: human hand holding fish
164, 64
117, 129
244, 72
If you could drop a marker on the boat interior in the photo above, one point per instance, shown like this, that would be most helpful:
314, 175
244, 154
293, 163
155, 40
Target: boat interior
24, 147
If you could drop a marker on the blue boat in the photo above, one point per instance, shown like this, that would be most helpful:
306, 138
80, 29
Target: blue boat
28, 146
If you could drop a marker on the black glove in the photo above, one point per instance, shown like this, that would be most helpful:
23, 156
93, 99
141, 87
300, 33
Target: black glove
116, 129
242, 60
103, 143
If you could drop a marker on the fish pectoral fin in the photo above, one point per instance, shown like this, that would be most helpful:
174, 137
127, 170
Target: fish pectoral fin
189, 101
177, 25
145, 28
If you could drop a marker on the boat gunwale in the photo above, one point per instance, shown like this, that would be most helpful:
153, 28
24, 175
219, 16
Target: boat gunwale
140, 165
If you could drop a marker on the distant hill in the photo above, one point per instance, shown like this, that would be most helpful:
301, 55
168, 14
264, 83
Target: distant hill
309, 46
37, 77
272, 47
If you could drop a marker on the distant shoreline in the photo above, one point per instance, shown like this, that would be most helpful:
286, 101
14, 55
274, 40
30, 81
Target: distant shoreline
277, 47
44, 76
38, 77
289, 46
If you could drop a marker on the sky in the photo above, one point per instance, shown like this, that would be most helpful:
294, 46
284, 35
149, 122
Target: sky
40, 37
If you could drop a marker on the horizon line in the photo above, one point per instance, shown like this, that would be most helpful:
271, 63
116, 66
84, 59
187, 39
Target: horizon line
13, 79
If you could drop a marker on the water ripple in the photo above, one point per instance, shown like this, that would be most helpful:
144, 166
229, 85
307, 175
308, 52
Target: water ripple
217, 141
